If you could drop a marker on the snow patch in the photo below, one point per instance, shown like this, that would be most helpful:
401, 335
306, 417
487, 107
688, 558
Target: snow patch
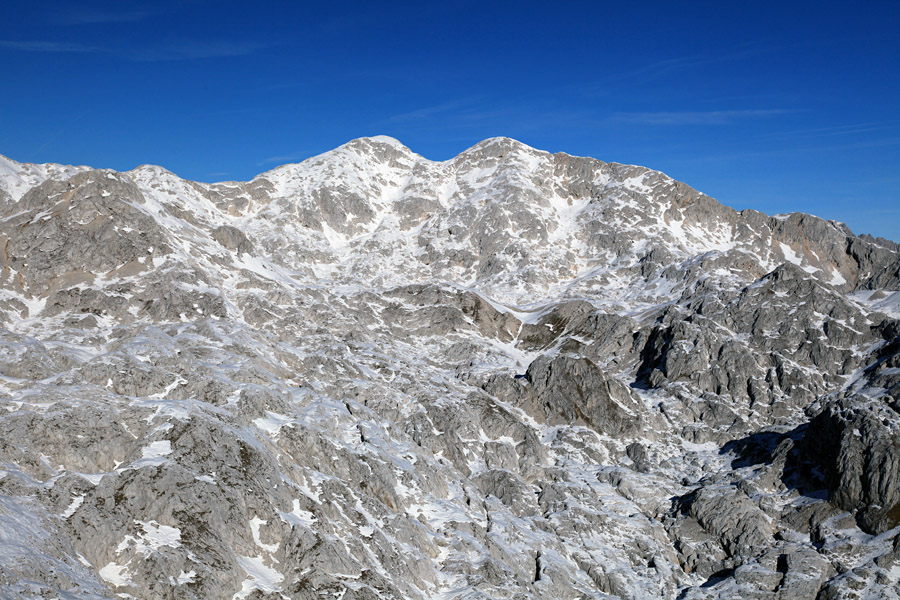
255, 524
298, 516
261, 577
154, 454
273, 423
116, 574
76, 502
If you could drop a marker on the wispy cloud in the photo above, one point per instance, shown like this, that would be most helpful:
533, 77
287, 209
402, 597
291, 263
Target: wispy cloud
706, 117
882, 143
500, 115
89, 17
806, 147
48, 46
836, 130
677, 64
669, 65
484, 116
429, 112
183, 50
284, 158
199, 49
886, 211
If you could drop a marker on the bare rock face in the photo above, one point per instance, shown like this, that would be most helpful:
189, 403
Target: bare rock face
574, 390
66, 233
857, 443
233, 239
512, 374
733, 518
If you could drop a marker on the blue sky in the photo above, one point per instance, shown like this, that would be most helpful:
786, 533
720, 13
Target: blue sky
773, 106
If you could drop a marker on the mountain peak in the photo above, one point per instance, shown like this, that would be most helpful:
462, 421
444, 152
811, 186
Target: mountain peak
501, 143
378, 146
382, 139
511, 374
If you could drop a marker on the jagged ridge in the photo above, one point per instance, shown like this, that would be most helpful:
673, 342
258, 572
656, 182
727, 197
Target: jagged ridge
378, 375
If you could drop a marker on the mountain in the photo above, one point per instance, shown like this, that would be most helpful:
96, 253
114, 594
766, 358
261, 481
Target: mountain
512, 374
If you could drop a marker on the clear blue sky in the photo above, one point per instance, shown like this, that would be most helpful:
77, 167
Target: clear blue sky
774, 106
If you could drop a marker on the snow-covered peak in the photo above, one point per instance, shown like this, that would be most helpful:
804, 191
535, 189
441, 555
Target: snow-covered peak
146, 172
502, 149
380, 148
516, 219
379, 140
502, 142
17, 178
365, 172
371, 375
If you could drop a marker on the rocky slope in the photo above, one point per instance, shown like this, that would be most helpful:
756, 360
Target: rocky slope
507, 375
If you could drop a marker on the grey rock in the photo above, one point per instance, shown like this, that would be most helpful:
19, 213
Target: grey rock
233, 239
574, 390
512, 374
856, 443
805, 572
742, 528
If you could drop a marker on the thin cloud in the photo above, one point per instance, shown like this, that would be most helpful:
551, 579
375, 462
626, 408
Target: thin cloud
185, 50
195, 49
708, 117
283, 159
428, 112
668, 65
103, 17
661, 68
886, 211
48, 46
835, 130
789, 152
895, 141
476, 113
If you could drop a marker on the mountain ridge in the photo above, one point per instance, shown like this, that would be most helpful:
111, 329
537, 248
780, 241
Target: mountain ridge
11, 165
512, 374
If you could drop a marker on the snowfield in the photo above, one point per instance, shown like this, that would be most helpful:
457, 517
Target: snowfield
508, 375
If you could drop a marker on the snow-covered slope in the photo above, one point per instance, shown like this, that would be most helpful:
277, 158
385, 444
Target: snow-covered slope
17, 178
512, 374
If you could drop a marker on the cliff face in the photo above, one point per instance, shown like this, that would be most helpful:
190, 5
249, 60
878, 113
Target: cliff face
507, 375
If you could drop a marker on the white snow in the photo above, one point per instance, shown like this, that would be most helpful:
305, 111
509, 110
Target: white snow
154, 454
273, 422
789, 254
116, 574
298, 516
156, 536
17, 178
153, 537
94, 478
884, 301
188, 577
260, 576
297, 272
255, 524
73, 506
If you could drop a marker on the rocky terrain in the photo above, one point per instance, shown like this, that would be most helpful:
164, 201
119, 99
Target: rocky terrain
509, 375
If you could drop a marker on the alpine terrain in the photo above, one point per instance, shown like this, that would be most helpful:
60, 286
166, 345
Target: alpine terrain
509, 375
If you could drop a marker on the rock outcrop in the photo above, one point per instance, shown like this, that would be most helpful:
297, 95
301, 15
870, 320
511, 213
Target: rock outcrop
512, 374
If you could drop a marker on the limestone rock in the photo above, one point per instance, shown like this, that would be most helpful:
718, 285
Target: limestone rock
511, 374
856, 442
